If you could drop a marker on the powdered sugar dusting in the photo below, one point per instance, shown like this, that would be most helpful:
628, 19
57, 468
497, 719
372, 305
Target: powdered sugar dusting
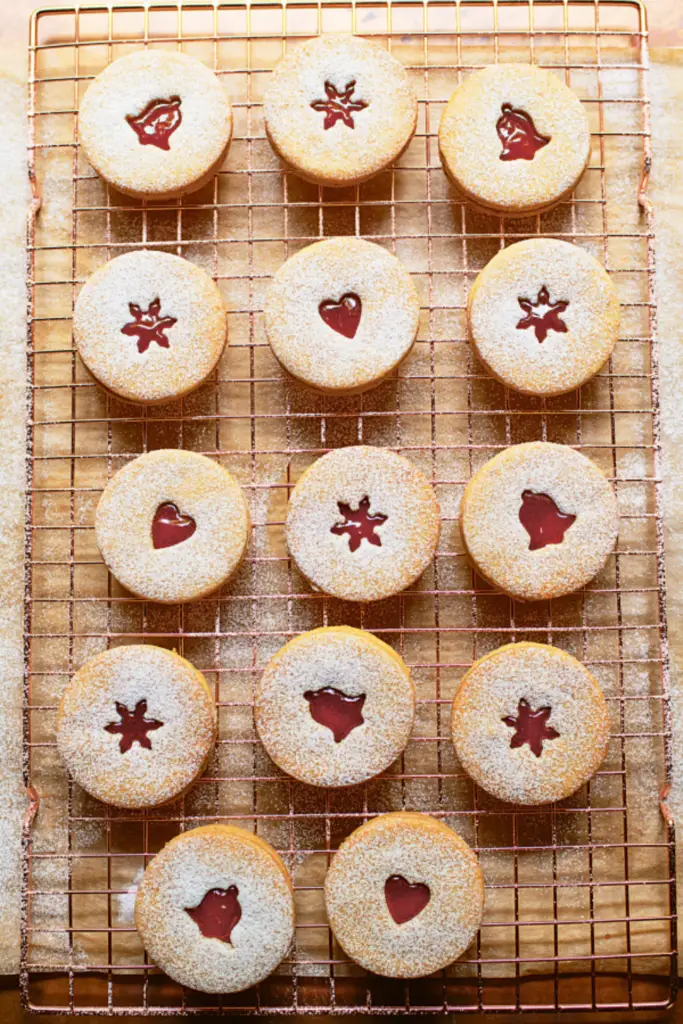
421, 849
354, 662
311, 350
216, 857
544, 676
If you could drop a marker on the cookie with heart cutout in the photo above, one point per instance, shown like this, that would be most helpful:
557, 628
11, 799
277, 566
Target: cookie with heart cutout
539, 520
514, 139
215, 909
172, 526
530, 723
339, 109
136, 726
362, 523
150, 326
155, 124
404, 895
543, 316
341, 314
335, 706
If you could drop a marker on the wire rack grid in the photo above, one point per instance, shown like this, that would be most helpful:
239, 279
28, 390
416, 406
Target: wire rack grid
580, 895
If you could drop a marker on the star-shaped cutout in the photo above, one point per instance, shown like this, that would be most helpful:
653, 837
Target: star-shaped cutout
133, 726
339, 106
359, 524
543, 315
148, 325
531, 727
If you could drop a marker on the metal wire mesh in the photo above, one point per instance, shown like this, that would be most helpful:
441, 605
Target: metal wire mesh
580, 896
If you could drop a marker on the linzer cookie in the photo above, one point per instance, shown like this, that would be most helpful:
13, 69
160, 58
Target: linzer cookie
514, 139
155, 124
335, 706
543, 316
172, 526
215, 909
539, 520
150, 326
341, 314
136, 726
339, 109
363, 523
530, 724
404, 895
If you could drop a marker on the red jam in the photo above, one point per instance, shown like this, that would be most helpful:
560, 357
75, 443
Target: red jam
543, 315
531, 727
170, 526
339, 106
157, 122
148, 325
405, 899
516, 131
133, 726
217, 914
542, 520
359, 524
343, 316
336, 710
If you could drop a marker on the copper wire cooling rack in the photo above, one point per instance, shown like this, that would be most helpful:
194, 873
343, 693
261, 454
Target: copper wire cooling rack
580, 895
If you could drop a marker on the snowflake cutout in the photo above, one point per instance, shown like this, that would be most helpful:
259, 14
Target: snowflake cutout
543, 315
359, 524
339, 106
148, 325
133, 726
530, 727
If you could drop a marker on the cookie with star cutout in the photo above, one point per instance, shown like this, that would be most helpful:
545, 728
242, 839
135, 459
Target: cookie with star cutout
172, 526
155, 124
339, 109
335, 706
341, 314
404, 895
514, 139
136, 726
151, 327
215, 909
362, 523
530, 723
539, 520
543, 316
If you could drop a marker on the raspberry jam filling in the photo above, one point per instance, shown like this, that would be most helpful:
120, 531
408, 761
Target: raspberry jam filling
531, 727
343, 316
543, 315
157, 122
542, 520
358, 524
170, 526
148, 325
339, 106
405, 899
217, 914
518, 135
336, 710
133, 726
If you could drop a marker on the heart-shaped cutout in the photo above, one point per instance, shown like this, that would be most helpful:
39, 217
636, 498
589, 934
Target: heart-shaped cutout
218, 913
405, 899
343, 316
171, 526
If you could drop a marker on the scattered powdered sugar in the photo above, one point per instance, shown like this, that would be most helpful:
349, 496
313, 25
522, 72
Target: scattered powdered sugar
421, 850
176, 695
470, 146
544, 676
196, 340
562, 361
200, 488
216, 857
339, 155
396, 489
497, 542
125, 88
311, 350
354, 662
